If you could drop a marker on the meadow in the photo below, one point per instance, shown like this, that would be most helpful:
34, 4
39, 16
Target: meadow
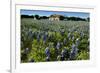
45, 40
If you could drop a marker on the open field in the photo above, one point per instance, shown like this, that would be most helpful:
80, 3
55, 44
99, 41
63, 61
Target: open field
44, 40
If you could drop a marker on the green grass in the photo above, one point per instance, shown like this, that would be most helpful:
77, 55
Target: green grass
53, 28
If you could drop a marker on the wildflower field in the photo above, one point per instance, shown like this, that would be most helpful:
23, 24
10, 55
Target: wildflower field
45, 40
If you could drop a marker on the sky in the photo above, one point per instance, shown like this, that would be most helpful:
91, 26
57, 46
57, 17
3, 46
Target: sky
48, 13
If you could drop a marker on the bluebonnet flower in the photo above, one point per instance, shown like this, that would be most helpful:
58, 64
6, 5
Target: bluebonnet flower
31, 35
58, 45
65, 41
73, 52
47, 52
73, 38
81, 34
65, 53
69, 36
45, 37
38, 37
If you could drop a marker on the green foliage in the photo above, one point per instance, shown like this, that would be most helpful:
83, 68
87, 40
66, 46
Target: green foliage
83, 55
53, 28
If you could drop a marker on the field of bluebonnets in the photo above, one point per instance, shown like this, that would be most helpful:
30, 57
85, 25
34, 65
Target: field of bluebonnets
45, 40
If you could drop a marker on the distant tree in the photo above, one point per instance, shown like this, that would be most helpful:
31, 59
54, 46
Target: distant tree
62, 17
44, 17
31, 16
24, 16
76, 19
88, 19
37, 16
27, 16
66, 18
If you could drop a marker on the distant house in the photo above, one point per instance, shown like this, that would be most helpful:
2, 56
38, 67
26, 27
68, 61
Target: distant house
35, 18
54, 17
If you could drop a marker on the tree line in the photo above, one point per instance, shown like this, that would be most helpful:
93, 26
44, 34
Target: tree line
61, 17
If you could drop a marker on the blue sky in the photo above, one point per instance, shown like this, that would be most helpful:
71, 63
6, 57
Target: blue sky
48, 13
